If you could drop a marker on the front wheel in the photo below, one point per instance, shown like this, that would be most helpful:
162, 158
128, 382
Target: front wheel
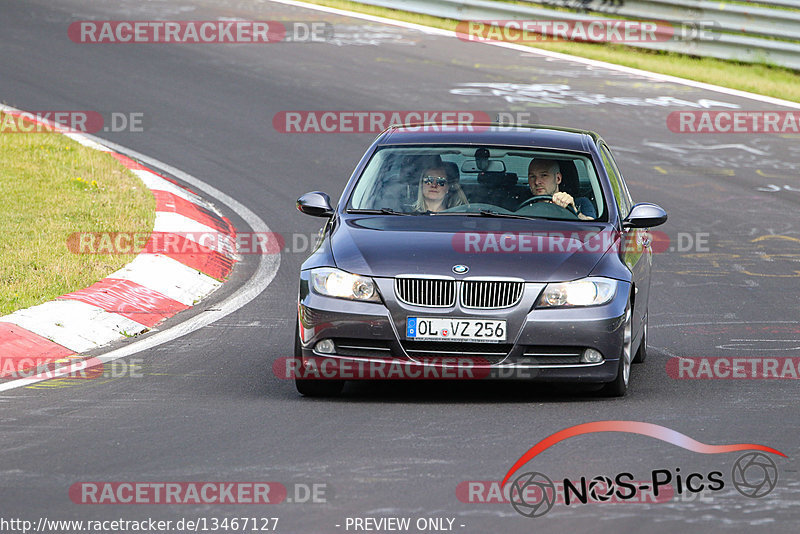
312, 387
619, 386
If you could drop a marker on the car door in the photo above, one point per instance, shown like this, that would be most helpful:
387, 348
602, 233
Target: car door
636, 250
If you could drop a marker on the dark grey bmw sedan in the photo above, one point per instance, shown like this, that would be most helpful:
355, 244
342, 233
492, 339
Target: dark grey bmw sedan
477, 252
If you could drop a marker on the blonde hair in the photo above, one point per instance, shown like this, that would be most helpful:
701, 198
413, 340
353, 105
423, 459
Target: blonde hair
455, 195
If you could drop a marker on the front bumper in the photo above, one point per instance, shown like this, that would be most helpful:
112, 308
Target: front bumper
542, 344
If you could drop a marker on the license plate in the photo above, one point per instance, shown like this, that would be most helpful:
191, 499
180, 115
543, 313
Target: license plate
447, 329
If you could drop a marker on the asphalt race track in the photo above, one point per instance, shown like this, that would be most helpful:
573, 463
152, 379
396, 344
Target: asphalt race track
207, 406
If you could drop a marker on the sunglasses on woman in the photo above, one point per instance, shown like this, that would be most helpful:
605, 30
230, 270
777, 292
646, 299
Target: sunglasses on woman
428, 180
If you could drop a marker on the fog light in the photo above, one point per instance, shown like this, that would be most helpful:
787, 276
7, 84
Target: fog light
325, 346
591, 356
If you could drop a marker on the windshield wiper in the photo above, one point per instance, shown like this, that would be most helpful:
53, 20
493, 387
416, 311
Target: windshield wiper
382, 211
481, 213
490, 213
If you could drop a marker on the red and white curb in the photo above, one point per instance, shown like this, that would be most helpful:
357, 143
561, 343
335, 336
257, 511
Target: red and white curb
153, 287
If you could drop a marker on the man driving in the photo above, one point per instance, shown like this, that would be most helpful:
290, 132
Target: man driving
544, 177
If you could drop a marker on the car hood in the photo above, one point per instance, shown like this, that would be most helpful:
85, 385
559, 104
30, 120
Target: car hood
534, 250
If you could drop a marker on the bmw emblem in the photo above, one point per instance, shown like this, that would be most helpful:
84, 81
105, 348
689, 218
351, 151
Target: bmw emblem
460, 269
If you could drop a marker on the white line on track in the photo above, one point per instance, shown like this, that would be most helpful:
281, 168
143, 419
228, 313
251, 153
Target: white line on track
547, 53
265, 273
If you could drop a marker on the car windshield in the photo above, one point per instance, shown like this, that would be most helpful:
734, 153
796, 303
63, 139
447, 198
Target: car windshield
478, 181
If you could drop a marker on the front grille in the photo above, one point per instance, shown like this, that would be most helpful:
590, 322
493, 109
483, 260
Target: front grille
432, 292
489, 294
477, 353
549, 360
549, 355
363, 348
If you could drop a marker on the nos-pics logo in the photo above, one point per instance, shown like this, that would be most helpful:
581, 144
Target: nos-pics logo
533, 494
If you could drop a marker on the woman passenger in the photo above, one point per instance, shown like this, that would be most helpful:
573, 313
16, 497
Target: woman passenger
438, 191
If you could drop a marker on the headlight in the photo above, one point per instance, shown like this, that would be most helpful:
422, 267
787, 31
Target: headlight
335, 283
585, 292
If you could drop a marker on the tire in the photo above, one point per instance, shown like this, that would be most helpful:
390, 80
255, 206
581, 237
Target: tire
641, 354
320, 387
619, 386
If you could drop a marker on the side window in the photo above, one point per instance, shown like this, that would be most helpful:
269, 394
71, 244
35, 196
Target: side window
621, 195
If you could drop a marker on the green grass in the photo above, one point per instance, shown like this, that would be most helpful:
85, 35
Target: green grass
762, 79
52, 187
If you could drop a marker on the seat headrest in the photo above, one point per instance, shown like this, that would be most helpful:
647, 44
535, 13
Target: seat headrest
570, 183
451, 169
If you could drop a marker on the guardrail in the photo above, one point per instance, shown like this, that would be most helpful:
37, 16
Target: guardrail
776, 3
741, 32
737, 18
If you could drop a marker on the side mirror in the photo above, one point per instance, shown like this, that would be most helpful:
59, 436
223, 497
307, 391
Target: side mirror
316, 204
645, 215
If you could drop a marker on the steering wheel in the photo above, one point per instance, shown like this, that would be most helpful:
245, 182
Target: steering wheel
540, 198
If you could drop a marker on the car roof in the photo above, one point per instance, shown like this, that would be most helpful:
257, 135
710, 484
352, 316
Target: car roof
539, 136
